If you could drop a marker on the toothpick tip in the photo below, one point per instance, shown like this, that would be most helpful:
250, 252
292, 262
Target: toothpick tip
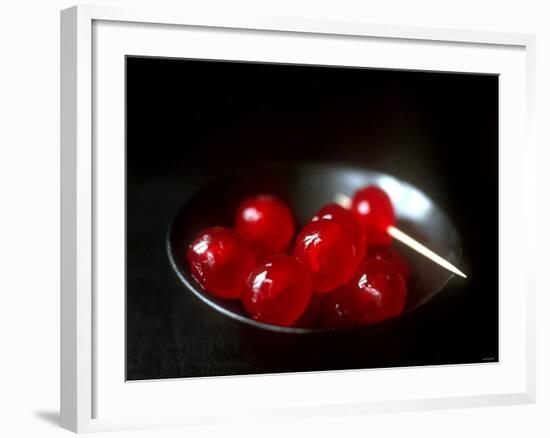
421, 249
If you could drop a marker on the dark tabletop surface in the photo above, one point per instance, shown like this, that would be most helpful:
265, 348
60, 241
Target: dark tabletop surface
187, 121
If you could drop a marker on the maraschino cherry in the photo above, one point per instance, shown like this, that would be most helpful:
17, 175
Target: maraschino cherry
278, 290
266, 222
310, 316
390, 255
346, 219
378, 292
328, 252
337, 307
220, 260
374, 211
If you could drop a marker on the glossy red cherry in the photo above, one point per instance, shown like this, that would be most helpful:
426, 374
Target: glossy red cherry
278, 290
311, 315
220, 260
328, 252
379, 292
266, 222
393, 257
337, 307
374, 212
346, 219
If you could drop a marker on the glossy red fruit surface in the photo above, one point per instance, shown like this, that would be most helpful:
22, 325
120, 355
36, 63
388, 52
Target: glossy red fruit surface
378, 291
328, 252
266, 222
374, 212
220, 260
347, 220
311, 315
393, 257
336, 308
278, 290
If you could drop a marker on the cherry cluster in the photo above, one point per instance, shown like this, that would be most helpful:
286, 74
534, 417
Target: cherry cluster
340, 272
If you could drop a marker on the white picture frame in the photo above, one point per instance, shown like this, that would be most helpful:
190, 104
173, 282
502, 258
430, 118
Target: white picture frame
93, 396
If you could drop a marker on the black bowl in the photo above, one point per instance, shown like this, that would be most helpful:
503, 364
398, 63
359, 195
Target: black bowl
306, 188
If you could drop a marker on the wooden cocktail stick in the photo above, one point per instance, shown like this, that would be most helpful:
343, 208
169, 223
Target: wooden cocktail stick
404, 238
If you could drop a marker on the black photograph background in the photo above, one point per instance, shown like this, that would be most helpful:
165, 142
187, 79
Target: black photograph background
188, 121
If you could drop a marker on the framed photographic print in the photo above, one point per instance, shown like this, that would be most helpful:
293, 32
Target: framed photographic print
287, 218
